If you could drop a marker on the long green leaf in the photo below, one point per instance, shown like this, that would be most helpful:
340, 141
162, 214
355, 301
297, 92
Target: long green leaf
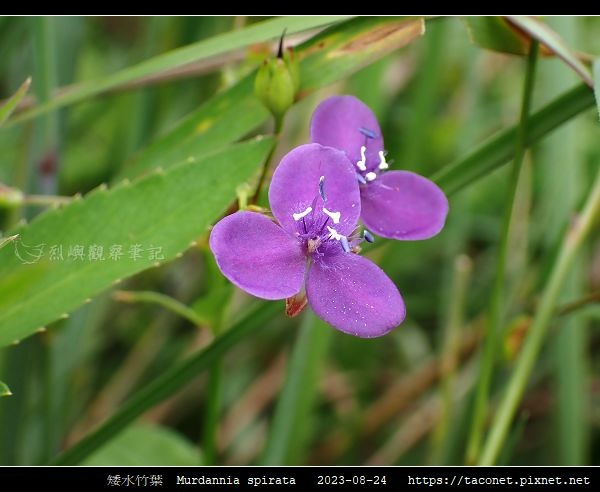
150, 221
546, 36
332, 55
288, 433
500, 149
536, 336
185, 55
171, 381
4, 390
9, 106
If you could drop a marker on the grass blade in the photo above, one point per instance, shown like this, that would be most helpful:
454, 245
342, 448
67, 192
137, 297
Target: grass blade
500, 149
168, 383
9, 106
185, 55
287, 435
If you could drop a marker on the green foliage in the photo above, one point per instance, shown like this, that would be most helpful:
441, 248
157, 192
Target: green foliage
554, 43
323, 59
202, 50
290, 429
11, 104
495, 33
146, 445
227, 379
597, 83
166, 210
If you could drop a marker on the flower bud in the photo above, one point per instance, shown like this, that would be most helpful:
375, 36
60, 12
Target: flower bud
277, 82
274, 86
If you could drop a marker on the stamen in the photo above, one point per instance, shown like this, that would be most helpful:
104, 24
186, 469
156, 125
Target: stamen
345, 245
370, 176
333, 234
362, 164
335, 216
368, 236
367, 133
361, 179
382, 162
322, 188
302, 214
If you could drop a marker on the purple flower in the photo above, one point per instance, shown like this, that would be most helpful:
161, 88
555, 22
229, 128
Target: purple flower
315, 199
395, 204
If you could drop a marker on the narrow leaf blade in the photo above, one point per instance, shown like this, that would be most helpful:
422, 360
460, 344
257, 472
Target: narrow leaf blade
214, 46
326, 58
148, 222
9, 106
549, 38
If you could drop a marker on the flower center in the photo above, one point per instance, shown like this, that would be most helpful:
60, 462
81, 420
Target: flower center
367, 172
316, 230
316, 227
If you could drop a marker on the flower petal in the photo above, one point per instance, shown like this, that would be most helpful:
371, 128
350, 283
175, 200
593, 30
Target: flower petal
295, 185
258, 256
403, 205
342, 122
355, 296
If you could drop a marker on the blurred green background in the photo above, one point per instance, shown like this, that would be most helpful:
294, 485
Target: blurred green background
295, 391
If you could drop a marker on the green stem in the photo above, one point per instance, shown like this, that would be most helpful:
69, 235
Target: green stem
497, 297
45, 75
449, 358
493, 153
162, 300
533, 344
288, 431
211, 415
168, 383
210, 427
267, 164
573, 306
46, 200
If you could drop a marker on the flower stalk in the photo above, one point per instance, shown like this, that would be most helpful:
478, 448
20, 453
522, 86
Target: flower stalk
571, 245
497, 296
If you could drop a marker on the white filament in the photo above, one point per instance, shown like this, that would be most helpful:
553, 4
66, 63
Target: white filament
362, 164
382, 162
302, 214
333, 234
335, 216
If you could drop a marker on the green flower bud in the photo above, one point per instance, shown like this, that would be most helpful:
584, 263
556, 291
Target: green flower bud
274, 86
278, 81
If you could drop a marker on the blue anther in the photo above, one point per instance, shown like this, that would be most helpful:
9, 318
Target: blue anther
367, 133
361, 179
368, 236
322, 188
345, 244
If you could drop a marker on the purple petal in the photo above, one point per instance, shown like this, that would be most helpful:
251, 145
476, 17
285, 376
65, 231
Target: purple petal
295, 185
355, 296
342, 122
403, 205
258, 256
